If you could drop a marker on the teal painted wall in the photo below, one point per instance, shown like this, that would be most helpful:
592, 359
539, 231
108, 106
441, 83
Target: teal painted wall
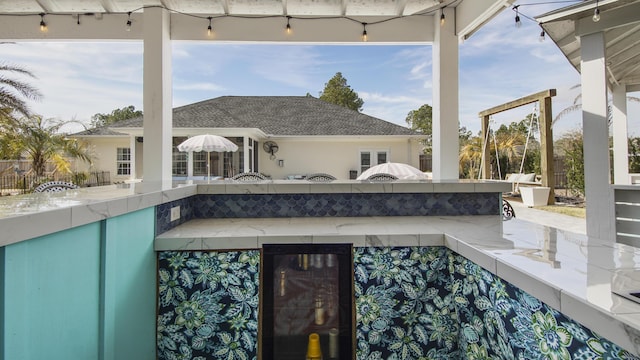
129, 268
51, 299
84, 293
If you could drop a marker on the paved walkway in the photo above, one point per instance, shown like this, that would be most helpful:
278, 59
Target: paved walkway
548, 218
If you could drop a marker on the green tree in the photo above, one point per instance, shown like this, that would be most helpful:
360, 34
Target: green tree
125, 113
15, 93
634, 154
420, 120
571, 146
336, 91
42, 141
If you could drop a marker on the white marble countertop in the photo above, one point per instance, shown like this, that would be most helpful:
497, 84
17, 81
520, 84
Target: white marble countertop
568, 271
63, 210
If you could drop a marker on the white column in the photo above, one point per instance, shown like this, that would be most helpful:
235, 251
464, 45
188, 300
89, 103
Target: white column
132, 150
596, 137
620, 135
445, 98
157, 97
245, 158
190, 164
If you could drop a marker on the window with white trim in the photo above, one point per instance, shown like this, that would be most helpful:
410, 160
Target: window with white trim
123, 161
369, 158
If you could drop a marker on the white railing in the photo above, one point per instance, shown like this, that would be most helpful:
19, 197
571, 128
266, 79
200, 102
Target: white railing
627, 214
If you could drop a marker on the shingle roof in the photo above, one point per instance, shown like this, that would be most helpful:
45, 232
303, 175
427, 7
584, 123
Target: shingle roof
102, 131
278, 116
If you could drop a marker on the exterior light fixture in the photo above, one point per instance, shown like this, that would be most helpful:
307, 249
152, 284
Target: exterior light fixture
518, 22
128, 28
541, 38
442, 18
43, 25
288, 28
364, 32
596, 13
209, 28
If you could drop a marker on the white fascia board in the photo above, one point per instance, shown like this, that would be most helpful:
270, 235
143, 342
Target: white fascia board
348, 137
472, 15
571, 11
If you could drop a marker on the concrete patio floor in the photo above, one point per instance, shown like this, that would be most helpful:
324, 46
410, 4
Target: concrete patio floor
547, 218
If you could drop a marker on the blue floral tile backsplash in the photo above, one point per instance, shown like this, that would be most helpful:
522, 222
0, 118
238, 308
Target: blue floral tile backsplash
208, 305
411, 303
205, 206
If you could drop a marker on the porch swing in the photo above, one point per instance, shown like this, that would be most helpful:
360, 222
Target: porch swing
542, 112
516, 178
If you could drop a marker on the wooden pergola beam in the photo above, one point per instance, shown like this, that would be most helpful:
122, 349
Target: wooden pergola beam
519, 102
546, 135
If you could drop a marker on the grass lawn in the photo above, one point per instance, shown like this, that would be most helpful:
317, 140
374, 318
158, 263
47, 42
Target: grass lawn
566, 210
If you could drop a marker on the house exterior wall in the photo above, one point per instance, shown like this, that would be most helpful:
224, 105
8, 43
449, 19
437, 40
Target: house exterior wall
105, 153
336, 157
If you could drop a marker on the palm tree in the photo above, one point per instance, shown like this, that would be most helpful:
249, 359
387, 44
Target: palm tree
14, 93
577, 106
42, 141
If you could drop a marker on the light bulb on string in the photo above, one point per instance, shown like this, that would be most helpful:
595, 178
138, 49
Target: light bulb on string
596, 13
442, 18
43, 25
518, 22
364, 32
128, 27
542, 36
288, 28
209, 28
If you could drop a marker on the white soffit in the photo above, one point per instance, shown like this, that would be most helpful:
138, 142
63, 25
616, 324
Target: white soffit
620, 22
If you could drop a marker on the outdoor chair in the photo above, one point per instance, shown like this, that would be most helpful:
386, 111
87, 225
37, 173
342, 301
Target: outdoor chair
381, 177
507, 211
55, 186
320, 177
249, 176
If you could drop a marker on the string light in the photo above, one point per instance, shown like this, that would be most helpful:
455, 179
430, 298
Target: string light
43, 25
288, 28
364, 32
129, 22
128, 27
596, 13
209, 28
542, 37
518, 22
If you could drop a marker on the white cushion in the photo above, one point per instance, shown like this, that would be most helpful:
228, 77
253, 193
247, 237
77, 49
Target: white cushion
528, 178
513, 177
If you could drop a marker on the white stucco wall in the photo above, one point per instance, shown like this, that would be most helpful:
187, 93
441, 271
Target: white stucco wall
105, 151
335, 156
331, 156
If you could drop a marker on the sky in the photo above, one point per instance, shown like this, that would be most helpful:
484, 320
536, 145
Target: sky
499, 63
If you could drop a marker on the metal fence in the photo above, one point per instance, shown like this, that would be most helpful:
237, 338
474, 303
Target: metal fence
21, 184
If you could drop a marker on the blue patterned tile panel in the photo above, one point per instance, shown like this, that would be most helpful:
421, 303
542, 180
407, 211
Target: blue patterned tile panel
411, 303
347, 205
163, 214
499, 321
405, 308
208, 305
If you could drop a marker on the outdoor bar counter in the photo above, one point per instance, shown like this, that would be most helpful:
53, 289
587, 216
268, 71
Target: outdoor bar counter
111, 241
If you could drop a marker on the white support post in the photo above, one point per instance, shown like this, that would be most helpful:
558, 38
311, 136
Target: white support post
133, 163
157, 97
596, 137
245, 158
620, 135
190, 164
445, 98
